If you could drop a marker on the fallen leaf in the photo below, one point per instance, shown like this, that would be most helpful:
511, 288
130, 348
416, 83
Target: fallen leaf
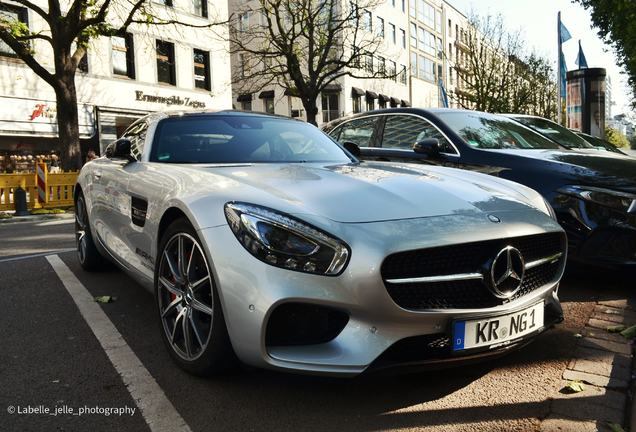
578, 336
612, 312
105, 299
614, 426
629, 333
616, 329
575, 386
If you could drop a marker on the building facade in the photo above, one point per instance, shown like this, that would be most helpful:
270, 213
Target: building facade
119, 80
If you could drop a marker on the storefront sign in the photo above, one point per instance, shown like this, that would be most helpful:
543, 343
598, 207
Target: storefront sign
168, 101
38, 118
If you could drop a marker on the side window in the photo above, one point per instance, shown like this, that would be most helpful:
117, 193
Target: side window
359, 131
137, 136
403, 131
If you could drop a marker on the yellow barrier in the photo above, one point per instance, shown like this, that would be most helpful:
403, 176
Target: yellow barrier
59, 189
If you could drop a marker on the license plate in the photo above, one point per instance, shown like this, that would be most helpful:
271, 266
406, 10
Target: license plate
497, 331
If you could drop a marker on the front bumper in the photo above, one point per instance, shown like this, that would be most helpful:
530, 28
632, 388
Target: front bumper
351, 322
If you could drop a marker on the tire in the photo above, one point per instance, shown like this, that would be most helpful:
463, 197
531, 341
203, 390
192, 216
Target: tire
89, 257
190, 316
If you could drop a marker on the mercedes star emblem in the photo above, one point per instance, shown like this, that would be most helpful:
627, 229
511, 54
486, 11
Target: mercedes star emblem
507, 272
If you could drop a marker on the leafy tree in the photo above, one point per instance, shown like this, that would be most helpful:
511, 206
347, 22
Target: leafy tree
66, 31
306, 45
613, 136
616, 24
495, 74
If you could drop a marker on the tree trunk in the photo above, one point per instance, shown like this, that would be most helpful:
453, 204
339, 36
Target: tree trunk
312, 111
68, 123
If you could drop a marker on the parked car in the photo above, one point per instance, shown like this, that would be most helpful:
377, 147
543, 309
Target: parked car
265, 241
554, 131
593, 193
599, 143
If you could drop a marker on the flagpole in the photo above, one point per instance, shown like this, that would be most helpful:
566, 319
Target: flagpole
559, 66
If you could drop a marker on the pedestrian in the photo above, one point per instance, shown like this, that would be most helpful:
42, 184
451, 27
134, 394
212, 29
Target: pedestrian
90, 155
55, 165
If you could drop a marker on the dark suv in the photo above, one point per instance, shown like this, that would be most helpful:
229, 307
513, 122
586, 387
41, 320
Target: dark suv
593, 193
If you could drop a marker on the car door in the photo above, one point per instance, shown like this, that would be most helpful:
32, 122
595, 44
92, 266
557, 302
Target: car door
112, 212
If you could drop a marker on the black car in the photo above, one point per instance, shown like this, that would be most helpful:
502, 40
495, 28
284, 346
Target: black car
599, 143
593, 193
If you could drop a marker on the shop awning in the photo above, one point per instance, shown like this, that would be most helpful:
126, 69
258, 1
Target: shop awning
332, 88
384, 98
371, 95
267, 94
405, 103
395, 101
244, 97
355, 91
291, 92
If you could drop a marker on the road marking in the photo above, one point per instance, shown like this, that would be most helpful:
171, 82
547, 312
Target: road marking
157, 410
56, 222
38, 255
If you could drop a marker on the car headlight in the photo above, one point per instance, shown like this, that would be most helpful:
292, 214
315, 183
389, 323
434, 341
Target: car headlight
549, 209
617, 200
286, 242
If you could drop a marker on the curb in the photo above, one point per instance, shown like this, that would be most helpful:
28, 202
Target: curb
603, 361
70, 214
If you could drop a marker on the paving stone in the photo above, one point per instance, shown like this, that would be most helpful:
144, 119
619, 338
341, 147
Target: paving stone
593, 394
597, 355
602, 368
600, 344
597, 333
597, 380
617, 300
579, 409
621, 316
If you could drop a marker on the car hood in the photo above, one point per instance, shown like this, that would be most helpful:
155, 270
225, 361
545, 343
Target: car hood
584, 167
371, 192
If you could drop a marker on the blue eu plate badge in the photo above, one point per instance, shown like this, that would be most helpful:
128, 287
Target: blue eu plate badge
458, 335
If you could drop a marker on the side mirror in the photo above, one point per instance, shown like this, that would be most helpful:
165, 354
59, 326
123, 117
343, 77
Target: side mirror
352, 148
122, 150
428, 146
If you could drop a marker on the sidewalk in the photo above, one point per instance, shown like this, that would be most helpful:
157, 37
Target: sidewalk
70, 214
603, 361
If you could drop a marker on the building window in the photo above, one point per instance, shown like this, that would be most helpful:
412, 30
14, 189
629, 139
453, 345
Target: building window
330, 106
381, 66
393, 35
428, 42
354, 13
370, 103
412, 9
263, 18
413, 35
165, 2
402, 75
414, 64
427, 69
426, 13
247, 106
201, 70
11, 14
242, 65
269, 106
200, 7
450, 28
393, 3
380, 27
123, 56
368, 62
82, 66
403, 6
165, 63
243, 22
391, 71
403, 38
438, 22
368, 25
356, 102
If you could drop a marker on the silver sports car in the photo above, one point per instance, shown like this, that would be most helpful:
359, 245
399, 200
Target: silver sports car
266, 242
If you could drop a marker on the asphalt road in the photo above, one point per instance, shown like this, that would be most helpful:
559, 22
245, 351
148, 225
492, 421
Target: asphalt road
50, 359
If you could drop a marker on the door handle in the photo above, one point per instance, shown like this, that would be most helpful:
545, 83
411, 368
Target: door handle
97, 174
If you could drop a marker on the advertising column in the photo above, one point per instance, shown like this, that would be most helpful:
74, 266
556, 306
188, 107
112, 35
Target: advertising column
585, 101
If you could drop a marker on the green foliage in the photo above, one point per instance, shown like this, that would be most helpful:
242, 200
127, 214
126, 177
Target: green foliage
616, 24
613, 136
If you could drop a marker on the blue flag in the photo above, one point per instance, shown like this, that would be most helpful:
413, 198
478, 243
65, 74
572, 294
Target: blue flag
564, 69
444, 95
580, 59
565, 34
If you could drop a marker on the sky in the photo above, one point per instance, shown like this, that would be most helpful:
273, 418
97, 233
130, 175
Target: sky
538, 21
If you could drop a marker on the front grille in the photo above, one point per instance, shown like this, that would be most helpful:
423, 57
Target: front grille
293, 324
463, 259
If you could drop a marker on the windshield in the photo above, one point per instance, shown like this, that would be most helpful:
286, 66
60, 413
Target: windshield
599, 143
560, 134
487, 131
241, 139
